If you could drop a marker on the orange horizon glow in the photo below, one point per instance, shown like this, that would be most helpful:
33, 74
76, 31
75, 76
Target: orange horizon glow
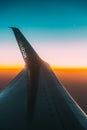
53, 67
11, 66
68, 67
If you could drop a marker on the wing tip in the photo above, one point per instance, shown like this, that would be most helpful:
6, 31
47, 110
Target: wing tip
13, 28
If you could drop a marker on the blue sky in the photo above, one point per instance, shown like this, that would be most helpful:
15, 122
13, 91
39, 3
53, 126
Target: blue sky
53, 27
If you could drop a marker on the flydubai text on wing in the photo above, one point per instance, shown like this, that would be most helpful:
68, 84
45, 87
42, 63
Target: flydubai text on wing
22, 49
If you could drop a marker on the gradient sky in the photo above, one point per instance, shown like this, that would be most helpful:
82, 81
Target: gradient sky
57, 29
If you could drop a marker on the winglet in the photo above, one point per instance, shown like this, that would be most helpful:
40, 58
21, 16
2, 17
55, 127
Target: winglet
28, 53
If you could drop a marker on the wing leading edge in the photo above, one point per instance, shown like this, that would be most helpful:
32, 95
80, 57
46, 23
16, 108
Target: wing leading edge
49, 105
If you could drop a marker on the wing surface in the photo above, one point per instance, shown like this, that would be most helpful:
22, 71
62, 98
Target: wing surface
36, 99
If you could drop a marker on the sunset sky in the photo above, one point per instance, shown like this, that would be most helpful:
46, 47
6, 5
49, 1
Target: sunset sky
57, 29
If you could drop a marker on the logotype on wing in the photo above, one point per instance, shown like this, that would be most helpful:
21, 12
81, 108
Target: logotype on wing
22, 49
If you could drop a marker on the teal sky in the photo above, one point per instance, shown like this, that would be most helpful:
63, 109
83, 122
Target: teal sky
45, 23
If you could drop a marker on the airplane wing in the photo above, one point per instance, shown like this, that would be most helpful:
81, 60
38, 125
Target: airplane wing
13, 102
36, 99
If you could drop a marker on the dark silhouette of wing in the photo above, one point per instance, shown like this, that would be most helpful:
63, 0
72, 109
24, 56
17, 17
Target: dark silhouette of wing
35, 99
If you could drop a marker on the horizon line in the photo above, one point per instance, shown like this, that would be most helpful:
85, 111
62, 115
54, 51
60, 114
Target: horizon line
53, 67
